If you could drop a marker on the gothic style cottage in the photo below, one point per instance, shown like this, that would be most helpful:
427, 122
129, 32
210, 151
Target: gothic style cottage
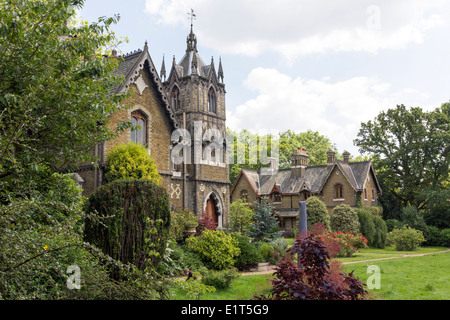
181, 116
335, 183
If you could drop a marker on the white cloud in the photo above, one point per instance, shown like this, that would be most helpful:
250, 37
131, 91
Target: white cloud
333, 109
298, 27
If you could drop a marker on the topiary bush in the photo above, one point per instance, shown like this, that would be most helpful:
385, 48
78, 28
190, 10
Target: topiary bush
130, 221
218, 249
131, 162
317, 213
406, 239
345, 219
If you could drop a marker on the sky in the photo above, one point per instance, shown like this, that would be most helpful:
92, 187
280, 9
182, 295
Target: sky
301, 65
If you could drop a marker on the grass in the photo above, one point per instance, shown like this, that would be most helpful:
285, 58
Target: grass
243, 288
406, 278
412, 278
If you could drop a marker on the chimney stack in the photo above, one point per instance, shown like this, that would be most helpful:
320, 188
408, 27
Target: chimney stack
330, 157
299, 162
346, 155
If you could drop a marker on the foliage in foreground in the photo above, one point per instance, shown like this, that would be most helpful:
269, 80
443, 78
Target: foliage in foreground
216, 248
131, 161
132, 221
311, 279
42, 246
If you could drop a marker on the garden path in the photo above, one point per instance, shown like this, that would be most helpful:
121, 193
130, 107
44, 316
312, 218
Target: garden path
359, 261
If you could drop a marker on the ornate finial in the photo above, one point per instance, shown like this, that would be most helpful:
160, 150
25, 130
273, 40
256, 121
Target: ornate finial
220, 72
163, 70
191, 39
146, 45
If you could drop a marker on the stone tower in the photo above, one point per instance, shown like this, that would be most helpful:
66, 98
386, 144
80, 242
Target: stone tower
197, 96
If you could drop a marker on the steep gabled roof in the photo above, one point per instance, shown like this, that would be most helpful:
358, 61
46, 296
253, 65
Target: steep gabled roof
312, 180
130, 68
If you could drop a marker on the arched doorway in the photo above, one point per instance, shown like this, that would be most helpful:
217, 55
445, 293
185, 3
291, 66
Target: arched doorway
213, 208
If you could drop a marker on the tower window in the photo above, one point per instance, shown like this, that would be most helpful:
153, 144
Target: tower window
212, 101
175, 97
140, 134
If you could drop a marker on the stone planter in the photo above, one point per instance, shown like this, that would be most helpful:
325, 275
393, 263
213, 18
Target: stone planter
191, 230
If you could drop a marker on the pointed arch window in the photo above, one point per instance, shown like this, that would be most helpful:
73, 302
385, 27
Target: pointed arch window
140, 134
175, 98
212, 101
244, 195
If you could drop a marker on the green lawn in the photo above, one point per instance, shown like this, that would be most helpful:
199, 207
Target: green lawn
410, 278
413, 278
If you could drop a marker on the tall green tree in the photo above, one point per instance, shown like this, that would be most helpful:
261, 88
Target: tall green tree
411, 153
55, 88
315, 144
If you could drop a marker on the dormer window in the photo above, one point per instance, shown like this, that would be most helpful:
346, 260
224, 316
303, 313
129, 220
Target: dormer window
212, 101
276, 197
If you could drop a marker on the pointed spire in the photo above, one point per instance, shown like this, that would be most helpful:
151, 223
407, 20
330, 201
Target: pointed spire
220, 72
163, 70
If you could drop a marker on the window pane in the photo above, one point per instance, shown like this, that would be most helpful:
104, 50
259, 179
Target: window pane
141, 132
133, 132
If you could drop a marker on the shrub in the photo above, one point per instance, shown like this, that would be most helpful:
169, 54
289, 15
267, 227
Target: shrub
138, 220
312, 280
241, 216
392, 224
249, 256
405, 239
205, 223
41, 239
317, 212
345, 219
219, 279
131, 161
217, 248
178, 223
265, 226
379, 241
372, 227
348, 243
437, 237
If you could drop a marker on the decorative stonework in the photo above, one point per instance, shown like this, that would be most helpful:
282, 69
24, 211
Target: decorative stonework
140, 84
176, 191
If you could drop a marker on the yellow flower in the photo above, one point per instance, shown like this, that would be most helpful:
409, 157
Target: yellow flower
46, 247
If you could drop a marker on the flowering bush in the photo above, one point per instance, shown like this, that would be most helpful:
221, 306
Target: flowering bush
342, 244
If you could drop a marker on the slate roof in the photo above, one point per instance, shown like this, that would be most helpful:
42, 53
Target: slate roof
312, 180
129, 68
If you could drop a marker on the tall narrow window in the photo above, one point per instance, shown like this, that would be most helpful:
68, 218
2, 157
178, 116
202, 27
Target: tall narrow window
140, 134
365, 194
244, 195
212, 101
175, 97
338, 191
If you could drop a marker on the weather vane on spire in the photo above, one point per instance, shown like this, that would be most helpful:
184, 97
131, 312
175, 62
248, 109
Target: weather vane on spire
192, 16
